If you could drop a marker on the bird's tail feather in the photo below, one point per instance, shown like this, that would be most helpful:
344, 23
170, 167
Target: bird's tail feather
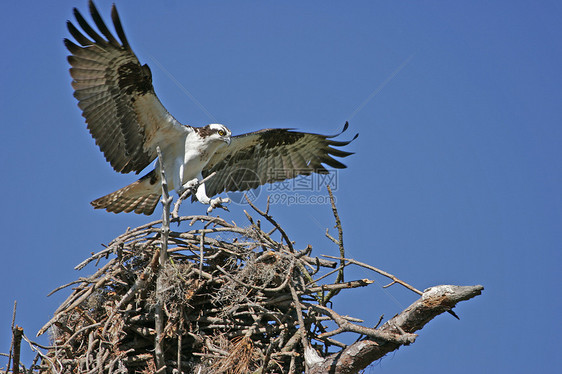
141, 196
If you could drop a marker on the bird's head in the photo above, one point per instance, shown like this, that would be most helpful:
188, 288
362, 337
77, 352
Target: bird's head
219, 132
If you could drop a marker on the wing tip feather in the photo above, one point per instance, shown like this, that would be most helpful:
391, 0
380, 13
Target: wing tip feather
119, 28
102, 27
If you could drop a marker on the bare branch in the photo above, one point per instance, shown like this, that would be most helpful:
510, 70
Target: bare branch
339, 242
433, 302
381, 272
17, 335
159, 313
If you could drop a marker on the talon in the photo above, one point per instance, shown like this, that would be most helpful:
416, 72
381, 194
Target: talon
189, 185
218, 203
192, 183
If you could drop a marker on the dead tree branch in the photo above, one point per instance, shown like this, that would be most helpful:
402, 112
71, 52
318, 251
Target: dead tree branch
339, 242
164, 236
434, 301
17, 335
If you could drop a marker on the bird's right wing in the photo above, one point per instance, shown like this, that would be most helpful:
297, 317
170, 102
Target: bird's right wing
116, 95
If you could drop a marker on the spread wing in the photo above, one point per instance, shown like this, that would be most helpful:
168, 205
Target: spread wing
271, 155
116, 95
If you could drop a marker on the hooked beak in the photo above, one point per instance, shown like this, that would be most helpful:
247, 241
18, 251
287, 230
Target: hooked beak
227, 141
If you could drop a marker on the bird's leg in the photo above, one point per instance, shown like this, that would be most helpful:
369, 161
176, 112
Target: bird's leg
183, 192
217, 202
177, 169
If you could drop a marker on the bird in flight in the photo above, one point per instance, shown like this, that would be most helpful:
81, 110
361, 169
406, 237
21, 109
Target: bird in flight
128, 122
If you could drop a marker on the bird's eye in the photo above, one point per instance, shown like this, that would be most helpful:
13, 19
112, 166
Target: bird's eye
222, 132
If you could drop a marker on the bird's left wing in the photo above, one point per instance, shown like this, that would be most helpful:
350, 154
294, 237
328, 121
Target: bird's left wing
271, 155
116, 95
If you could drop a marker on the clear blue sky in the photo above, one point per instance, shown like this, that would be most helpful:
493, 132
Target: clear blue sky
456, 177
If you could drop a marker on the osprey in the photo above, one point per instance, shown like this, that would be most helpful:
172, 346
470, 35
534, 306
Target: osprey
127, 121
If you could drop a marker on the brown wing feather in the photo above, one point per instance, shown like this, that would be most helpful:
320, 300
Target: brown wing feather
271, 155
141, 196
116, 96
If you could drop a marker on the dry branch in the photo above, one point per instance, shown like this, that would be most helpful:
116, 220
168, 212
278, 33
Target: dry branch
164, 236
17, 335
434, 301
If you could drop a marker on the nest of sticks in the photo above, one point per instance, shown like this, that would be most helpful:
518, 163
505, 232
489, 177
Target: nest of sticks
216, 298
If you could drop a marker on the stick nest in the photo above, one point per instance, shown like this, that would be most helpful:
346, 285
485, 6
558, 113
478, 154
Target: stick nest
231, 300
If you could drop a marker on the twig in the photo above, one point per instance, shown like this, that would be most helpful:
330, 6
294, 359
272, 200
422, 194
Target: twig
159, 314
201, 254
298, 309
340, 276
180, 338
346, 326
17, 335
340, 286
12, 329
273, 222
166, 201
381, 272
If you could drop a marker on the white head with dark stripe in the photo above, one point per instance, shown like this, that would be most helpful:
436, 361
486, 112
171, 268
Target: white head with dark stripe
214, 132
